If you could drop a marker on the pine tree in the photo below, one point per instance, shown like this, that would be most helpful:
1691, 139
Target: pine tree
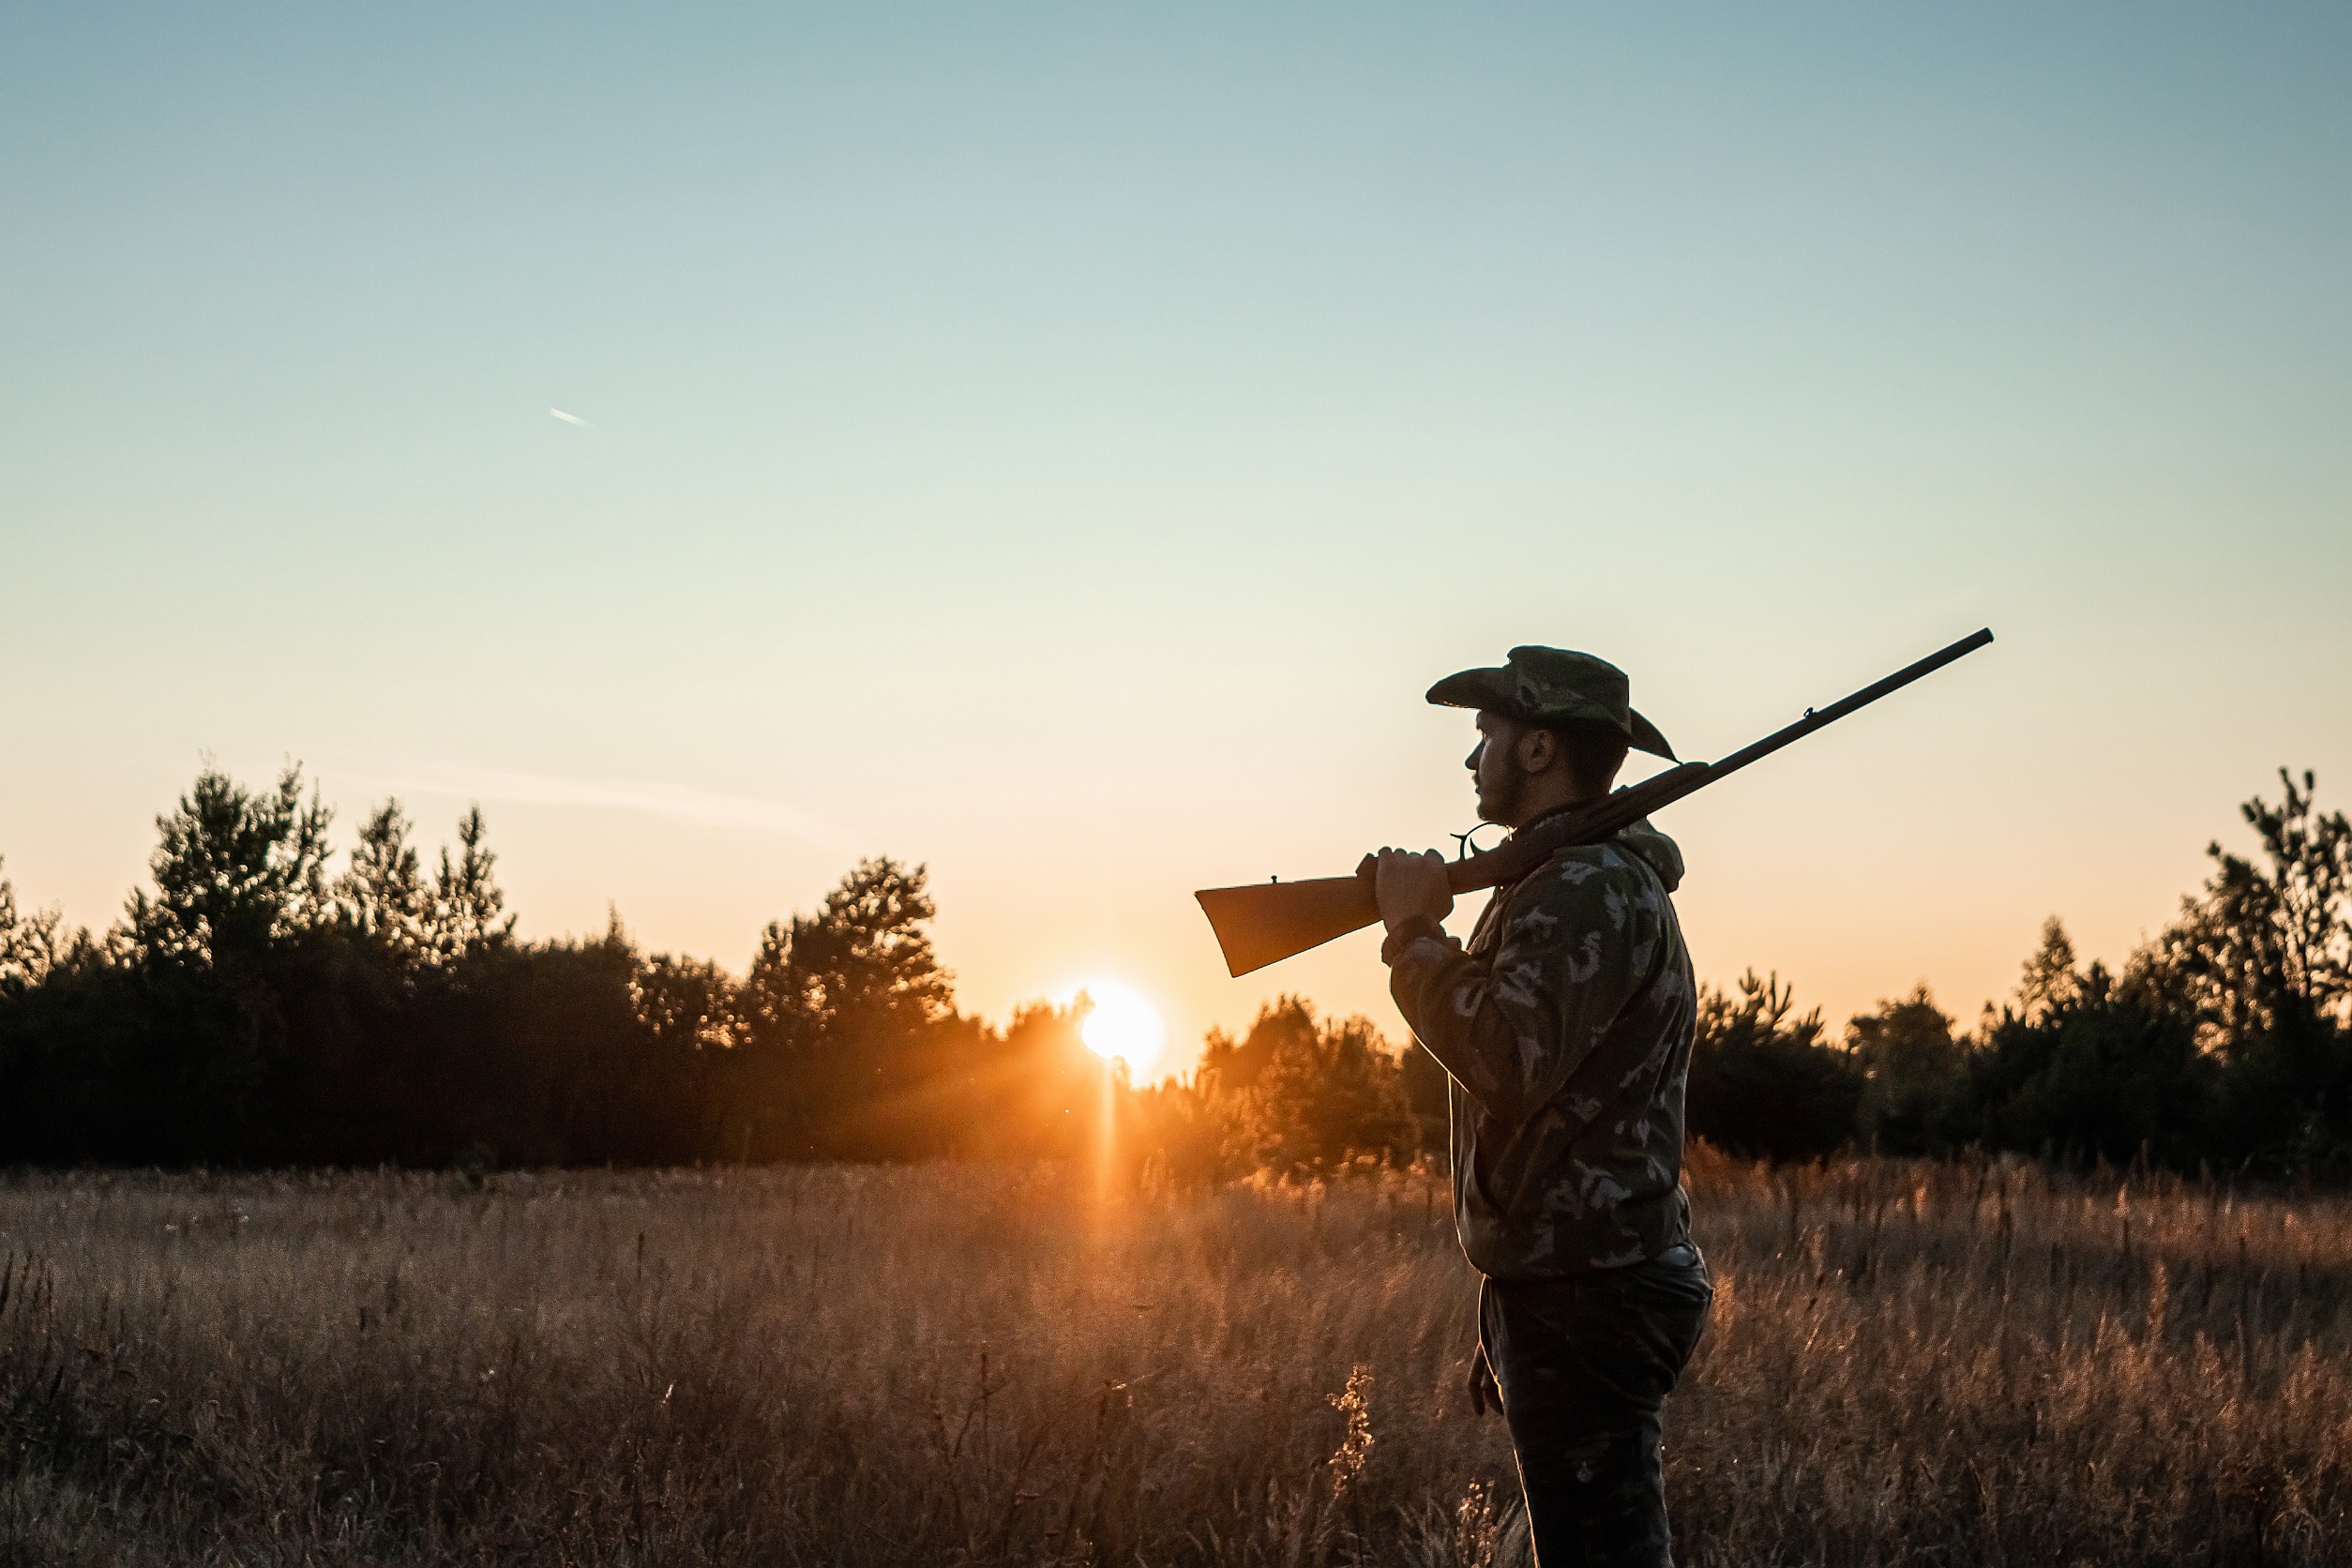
236, 872
383, 897
469, 916
2050, 979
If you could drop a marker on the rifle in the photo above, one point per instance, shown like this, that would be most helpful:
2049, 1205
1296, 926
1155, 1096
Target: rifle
1261, 923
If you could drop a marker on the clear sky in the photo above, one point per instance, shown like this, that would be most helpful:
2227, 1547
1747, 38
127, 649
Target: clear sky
1060, 444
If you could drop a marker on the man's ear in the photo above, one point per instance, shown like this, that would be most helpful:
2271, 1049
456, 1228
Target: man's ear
1536, 749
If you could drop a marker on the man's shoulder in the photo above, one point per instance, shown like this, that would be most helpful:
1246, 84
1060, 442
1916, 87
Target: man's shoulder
1553, 897
1579, 888
1578, 868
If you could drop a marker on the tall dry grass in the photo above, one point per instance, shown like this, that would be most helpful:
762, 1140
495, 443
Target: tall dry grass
1908, 1364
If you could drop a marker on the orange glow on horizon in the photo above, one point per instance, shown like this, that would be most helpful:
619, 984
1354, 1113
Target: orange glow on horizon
1124, 1025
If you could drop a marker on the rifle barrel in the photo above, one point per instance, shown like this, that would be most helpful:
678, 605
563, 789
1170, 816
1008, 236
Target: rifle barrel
1816, 717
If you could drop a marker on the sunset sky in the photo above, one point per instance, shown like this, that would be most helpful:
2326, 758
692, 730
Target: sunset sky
1059, 445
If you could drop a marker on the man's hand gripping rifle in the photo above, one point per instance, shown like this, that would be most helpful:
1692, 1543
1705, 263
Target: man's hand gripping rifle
1261, 923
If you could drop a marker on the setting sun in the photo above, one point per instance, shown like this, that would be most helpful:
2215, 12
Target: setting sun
1124, 1026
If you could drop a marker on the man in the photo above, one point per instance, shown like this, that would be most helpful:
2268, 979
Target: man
1565, 1025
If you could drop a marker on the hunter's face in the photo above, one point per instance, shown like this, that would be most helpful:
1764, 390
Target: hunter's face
1495, 769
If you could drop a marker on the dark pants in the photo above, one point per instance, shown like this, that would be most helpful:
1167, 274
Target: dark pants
1585, 1365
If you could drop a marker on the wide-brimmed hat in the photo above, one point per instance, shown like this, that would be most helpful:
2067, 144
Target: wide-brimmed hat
1554, 685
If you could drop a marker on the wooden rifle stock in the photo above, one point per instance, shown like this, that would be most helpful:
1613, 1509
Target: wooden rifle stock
1262, 923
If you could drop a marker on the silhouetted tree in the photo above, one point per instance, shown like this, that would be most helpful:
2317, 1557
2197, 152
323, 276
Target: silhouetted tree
1321, 1094
686, 1008
686, 1005
1912, 1066
1232, 1067
384, 897
2089, 1070
539, 1055
2262, 960
217, 956
842, 1024
235, 874
62, 1015
32, 946
2050, 978
469, 915
1765, 1085
1425, 1081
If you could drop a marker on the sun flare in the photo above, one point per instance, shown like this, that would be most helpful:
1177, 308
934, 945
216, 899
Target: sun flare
1124, 1026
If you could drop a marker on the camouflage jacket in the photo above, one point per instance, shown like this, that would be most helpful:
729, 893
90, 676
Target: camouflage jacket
1566, 1028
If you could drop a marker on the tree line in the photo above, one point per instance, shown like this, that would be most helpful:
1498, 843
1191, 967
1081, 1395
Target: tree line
256, 1007
2222, 1044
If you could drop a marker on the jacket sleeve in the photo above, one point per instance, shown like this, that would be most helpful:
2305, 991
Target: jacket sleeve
1514, 1025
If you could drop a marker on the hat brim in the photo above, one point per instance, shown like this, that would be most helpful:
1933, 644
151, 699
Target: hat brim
1497, 688
1475, 688
1646, 737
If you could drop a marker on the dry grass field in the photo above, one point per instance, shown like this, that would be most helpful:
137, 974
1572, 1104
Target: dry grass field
1909, 1364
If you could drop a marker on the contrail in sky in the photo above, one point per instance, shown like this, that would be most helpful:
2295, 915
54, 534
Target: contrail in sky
661, 800
572, 419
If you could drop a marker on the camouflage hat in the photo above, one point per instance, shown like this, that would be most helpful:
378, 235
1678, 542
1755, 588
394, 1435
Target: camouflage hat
1553, 685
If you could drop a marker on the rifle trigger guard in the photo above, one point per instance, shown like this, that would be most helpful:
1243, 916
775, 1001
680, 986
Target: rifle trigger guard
1463, 847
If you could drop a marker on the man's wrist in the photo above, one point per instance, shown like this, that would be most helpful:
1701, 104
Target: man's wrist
1411, 929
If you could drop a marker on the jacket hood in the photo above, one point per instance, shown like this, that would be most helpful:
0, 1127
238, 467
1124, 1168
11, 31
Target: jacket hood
1664, 855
